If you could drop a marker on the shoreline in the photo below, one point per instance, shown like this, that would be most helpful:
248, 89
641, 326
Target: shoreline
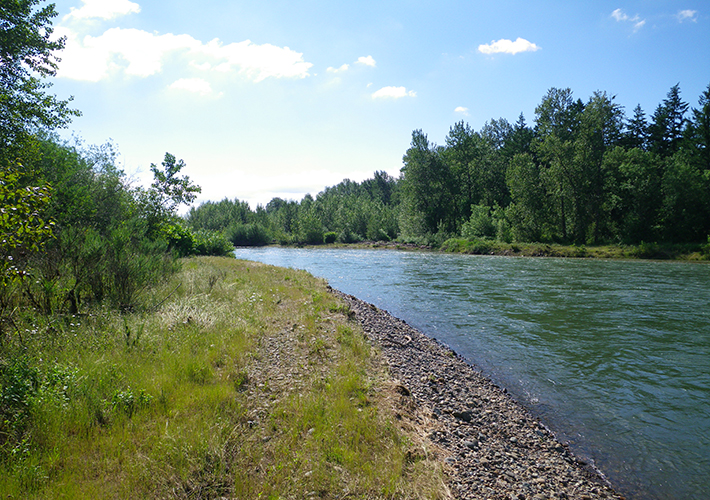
490, 445
695, 253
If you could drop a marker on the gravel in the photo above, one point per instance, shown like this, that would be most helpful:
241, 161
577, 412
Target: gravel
491, 446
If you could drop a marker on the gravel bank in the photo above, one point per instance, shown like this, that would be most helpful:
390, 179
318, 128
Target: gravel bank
490, 445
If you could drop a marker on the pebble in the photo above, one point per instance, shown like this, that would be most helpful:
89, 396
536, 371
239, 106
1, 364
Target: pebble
458, 401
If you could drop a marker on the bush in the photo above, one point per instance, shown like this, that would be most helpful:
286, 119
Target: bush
330, 237
480, 224
212, 243
346, 236
180, 239
247, 235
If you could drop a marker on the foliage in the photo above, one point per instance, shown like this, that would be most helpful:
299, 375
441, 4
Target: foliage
247, 235
584, 175
23, 228
27, 57
167, 192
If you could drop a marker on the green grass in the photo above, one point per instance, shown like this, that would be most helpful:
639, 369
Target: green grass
247, 381
696, 252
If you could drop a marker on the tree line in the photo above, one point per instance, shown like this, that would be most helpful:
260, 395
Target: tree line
75, 232
583, 173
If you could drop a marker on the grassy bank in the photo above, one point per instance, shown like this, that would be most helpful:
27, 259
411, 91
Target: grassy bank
241, 381
695, 252
654, 251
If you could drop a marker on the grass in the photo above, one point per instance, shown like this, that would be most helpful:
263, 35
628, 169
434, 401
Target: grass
246, 381
697, 252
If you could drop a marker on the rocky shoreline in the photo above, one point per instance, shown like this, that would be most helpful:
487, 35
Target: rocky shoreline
490, 445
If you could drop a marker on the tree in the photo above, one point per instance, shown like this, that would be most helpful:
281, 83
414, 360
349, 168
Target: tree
557, 122
428, 188
636, 134
464, 156
27, 56
167, 192
633, 194
22, 226
172, 190
668, 125
600, 128
528, 210
519, 140
699, 132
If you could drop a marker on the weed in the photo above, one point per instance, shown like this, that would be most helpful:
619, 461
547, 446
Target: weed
128, 403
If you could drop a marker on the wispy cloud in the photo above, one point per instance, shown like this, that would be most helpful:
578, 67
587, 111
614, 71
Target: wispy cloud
366, 60
342, 68
103, 9
687, 15
142, 54
620, 16
504, 46
462, 110
393, 93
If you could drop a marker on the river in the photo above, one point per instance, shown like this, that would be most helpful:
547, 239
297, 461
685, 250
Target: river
614, 356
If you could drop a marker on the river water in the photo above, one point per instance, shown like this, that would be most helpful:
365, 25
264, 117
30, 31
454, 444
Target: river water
614, 356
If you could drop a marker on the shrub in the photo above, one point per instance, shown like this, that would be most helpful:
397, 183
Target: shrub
480, 224
247, 235
212, 243
346, 236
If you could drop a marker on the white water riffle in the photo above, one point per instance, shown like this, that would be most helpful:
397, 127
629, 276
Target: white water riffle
614, 356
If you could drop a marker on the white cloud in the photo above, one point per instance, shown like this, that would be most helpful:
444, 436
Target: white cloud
508, 46
103, 9
344, 67
393, 93
258, 62
620, 16
366, 60
142, 54
462, 110
687, 15
196, 85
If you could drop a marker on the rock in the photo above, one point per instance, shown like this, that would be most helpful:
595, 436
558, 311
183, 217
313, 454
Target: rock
471, 445
463, 415
400, 389
515, 456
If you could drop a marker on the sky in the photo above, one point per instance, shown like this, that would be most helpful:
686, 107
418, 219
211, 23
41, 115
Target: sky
279, 98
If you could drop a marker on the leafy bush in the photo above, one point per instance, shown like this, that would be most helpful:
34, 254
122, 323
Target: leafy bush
330, 237
247, 235
480, 224
211, 243
180, 239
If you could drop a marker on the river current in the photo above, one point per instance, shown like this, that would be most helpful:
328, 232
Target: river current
614, 356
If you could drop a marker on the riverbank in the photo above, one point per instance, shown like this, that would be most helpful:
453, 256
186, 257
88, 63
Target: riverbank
649, 251
246, 380
490, 445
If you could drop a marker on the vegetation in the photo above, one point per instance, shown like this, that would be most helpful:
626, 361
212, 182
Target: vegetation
584, 174
126, 371
242, 381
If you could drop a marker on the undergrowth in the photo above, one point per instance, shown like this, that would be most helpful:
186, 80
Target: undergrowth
175, 402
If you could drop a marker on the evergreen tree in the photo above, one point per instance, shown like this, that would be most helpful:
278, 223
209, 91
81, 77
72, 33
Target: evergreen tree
668, 124
636, 133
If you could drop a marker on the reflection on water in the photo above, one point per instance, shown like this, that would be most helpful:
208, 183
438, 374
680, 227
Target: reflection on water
613, 355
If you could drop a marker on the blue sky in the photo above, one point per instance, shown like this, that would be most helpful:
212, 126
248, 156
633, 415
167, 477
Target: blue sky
281, 98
